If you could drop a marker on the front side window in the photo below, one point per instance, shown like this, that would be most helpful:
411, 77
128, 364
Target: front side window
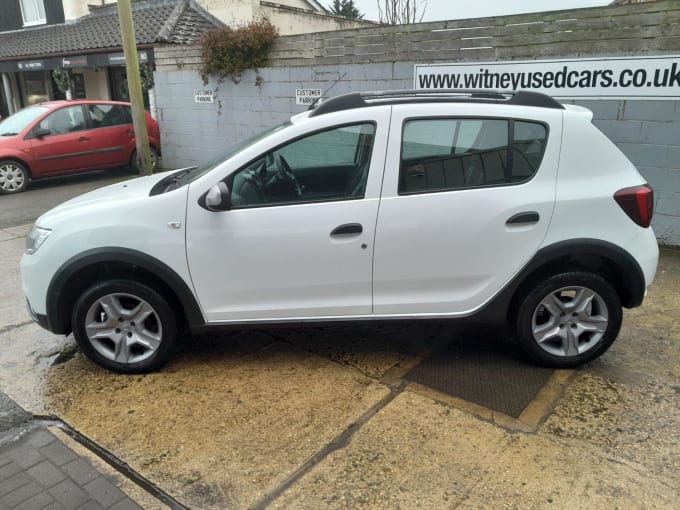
329, 165
64, 120
33, 12
446, 154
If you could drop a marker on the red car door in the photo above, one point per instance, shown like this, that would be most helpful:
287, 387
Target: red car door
112, 134
66, 145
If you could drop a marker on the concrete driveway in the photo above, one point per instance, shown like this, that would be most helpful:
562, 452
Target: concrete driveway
323, 418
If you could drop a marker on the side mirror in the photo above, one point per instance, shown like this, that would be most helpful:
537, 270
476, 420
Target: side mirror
218, 198
40, 132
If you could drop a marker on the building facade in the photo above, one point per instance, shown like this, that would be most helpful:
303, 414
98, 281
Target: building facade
83, 37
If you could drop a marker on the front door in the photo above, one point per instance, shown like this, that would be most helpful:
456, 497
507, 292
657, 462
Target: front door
298, 241
68, 146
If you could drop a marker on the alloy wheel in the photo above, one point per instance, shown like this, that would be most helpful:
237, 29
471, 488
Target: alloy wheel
12, 177
123, 328
570, 321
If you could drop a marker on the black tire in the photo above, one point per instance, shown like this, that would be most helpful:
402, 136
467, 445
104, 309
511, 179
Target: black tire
14, 177
134, 162
548, 310
158, 329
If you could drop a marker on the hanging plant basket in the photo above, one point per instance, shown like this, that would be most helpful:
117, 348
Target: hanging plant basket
146, 76
62, 79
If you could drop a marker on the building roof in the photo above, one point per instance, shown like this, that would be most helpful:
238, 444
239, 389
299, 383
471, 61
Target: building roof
168, 21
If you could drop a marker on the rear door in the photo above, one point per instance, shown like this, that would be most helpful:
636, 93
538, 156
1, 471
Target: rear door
467, 199
112, 134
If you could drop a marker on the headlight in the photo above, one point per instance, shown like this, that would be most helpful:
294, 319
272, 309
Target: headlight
35, 238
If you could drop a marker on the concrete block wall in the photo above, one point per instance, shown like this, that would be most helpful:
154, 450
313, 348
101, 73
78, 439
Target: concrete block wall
648, 132
193, 133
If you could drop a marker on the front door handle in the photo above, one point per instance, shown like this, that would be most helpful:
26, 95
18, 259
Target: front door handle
523, 218
347, 229
83, 139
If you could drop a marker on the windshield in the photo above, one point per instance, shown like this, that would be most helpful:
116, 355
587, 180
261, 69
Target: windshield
15, 124
209, 165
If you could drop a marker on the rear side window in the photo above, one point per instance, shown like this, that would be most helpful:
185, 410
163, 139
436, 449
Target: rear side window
446, 154
107, 115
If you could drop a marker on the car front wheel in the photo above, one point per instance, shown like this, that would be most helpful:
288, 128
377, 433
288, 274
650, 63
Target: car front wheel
568, 319
125, 326
13, 177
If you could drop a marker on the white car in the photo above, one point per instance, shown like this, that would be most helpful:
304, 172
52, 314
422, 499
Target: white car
485, 206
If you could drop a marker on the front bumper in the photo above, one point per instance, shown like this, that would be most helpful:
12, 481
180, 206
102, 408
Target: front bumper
37, 317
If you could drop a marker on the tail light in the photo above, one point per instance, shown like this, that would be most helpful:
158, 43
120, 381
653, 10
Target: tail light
638, 203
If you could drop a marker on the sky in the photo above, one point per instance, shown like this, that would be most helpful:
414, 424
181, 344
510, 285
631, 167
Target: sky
459, 9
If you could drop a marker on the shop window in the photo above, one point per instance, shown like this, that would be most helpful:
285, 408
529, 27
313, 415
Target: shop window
35, 87
33, 12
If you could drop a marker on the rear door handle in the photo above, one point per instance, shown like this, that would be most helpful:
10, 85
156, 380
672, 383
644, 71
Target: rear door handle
347, 229
523, 218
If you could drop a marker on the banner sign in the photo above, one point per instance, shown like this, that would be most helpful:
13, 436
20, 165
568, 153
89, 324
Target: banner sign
80, 61
119, 58
33, 65
613, 78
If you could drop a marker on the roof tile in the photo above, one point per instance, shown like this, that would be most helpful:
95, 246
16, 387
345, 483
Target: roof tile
101, 29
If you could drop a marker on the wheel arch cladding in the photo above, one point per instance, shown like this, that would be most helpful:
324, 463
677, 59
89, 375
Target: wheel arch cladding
78, 273
611, 262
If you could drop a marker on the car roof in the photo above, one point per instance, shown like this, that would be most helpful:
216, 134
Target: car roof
63, 102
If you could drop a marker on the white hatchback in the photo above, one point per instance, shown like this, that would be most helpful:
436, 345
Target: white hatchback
379, 206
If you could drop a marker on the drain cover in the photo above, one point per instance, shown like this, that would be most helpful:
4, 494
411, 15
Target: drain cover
488, 373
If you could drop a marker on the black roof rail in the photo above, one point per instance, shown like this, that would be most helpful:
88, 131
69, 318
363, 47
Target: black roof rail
363, 99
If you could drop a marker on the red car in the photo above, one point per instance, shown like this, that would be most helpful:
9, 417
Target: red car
65, 137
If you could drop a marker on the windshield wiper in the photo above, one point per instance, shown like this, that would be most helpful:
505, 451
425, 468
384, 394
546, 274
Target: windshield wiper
182, 173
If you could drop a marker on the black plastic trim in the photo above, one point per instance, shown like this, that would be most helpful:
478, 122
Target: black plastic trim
347, 229
633, 278
523, 217
359, 100
42, 321
55, 321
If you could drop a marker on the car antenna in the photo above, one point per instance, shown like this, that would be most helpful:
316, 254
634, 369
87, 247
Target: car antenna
313, 105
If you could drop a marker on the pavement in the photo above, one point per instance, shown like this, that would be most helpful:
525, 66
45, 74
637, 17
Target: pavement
325, 418
38, 470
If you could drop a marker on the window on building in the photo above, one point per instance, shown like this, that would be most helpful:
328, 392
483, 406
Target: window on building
33, 12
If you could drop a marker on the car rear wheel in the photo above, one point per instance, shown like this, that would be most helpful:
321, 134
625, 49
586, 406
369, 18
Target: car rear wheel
136, 163
14, 177
568, 319
125, 326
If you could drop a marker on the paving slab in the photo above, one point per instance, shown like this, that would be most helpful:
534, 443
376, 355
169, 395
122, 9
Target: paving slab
27, 354
224, 424
12, 301
417, 453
